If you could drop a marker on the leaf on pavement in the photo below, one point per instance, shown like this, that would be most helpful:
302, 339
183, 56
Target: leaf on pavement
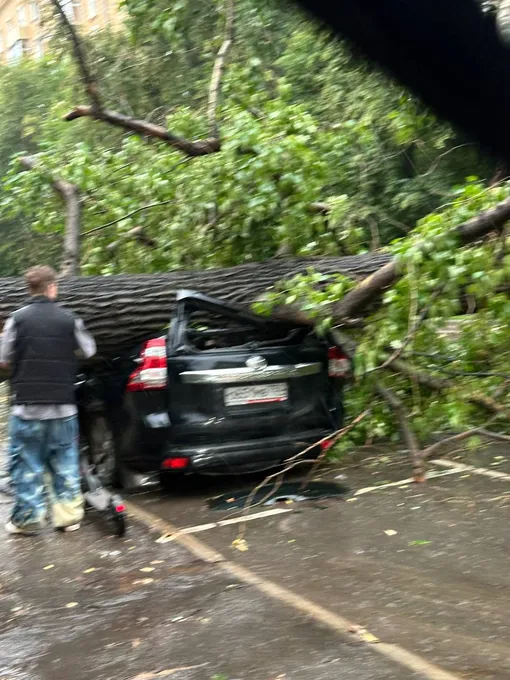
240, 544
419, 542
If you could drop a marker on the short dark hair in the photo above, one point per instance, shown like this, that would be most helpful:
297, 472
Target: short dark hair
39, 278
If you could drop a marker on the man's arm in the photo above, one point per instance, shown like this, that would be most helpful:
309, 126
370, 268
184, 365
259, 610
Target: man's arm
7, 342
84, 340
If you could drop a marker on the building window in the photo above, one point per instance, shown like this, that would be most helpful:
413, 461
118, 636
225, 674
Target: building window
21, 15
10, 31
39, 48
17, 51
92, 9
68, 7
34, 11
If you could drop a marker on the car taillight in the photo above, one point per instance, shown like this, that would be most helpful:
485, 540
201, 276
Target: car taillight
176, 463
339, 364
152, 373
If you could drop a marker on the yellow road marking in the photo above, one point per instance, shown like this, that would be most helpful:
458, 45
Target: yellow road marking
462, 467
320, 614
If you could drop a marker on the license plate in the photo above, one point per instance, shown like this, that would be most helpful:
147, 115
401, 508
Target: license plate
256, 394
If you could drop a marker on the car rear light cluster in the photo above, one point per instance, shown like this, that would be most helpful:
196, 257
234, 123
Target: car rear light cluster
175, 463
339, 364
152, 373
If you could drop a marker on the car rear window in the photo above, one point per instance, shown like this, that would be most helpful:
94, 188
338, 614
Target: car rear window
207, 331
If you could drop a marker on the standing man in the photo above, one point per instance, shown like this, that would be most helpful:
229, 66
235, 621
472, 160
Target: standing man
40, 344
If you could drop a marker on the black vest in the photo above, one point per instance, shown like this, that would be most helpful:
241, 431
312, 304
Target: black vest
45, 364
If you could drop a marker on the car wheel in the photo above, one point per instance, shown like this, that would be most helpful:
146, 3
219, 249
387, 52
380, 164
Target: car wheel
102, 450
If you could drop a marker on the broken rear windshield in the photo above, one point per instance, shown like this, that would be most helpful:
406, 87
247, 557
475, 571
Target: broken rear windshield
209, 324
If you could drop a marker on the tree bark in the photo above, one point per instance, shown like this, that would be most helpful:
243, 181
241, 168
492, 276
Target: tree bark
146, 129
122, 311
218, 69
358, 299
71, 196
408, 435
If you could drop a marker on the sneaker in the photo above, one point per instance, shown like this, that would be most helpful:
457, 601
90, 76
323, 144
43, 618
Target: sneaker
13, 530
69, 528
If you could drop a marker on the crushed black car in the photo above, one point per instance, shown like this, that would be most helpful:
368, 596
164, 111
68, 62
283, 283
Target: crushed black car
224, 391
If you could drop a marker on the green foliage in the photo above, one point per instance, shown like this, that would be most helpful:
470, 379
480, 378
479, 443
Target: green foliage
302, 120
437, 274
312, 293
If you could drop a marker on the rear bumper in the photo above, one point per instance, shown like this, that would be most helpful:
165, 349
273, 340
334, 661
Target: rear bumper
247, 456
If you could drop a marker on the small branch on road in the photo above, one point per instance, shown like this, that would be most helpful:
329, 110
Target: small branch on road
432, 450
293, 462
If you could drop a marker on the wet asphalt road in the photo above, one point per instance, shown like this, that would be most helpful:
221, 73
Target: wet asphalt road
88, 605
438, 585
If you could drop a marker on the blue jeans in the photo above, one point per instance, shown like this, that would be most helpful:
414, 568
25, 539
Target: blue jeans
44, 469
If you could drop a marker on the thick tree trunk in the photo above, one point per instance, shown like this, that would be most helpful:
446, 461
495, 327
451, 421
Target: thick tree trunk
122, 311
364, 294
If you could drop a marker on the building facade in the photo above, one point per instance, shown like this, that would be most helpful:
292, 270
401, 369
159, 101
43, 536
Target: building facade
25, 25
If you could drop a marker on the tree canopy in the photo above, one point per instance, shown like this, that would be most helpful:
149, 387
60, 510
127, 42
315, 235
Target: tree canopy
305, 149
303, 122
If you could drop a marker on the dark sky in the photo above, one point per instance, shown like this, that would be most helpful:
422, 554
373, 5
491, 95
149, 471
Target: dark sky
446, 51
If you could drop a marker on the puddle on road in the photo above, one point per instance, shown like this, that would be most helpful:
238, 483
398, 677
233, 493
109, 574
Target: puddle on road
268, 496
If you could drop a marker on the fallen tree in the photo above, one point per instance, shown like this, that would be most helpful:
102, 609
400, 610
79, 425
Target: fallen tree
123, 310
357, 300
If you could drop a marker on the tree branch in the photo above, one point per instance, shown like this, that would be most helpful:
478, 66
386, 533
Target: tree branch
71, 195
441, 384
412, 332
127, 216
434, 448
407, 432
219, 67
137, 234
87, 77
300, 458
356, 300
145, 129
142, 127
